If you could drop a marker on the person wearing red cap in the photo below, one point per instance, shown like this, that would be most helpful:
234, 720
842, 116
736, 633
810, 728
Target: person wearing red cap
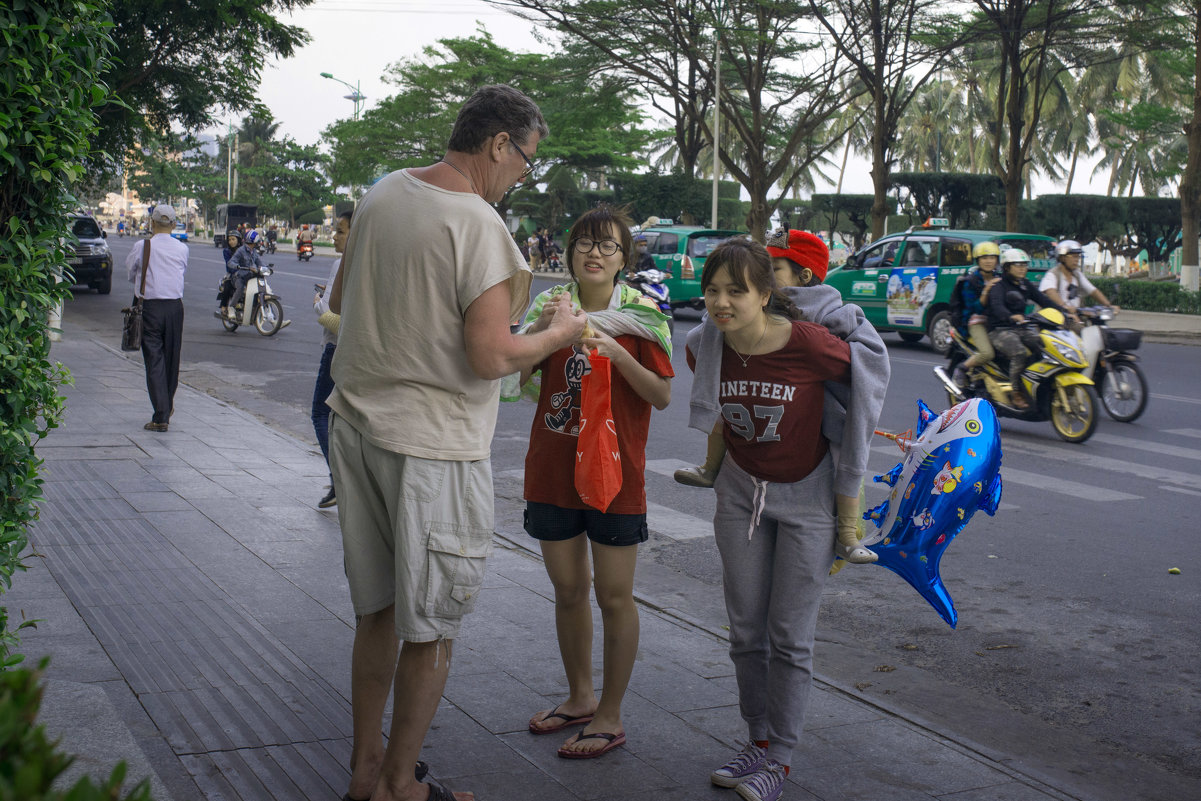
800, 261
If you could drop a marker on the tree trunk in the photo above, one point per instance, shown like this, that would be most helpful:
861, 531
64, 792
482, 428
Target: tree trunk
1190, 182
1072, 170
880, 173
846, 151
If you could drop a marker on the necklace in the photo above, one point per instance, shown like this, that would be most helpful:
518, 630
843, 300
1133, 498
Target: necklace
460, 172
747, 358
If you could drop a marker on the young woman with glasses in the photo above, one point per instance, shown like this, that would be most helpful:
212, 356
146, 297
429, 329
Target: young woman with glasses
634, 336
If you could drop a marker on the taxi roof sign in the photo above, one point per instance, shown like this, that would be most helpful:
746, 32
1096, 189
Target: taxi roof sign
936, 222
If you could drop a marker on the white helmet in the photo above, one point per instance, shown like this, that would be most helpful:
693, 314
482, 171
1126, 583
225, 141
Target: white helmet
1014, 256
1066, 247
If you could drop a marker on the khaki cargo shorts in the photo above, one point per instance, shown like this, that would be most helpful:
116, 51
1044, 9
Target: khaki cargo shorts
415, 532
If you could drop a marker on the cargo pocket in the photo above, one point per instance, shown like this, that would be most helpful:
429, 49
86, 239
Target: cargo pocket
456, 560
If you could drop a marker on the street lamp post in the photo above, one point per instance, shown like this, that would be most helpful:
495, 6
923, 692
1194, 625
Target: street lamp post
355, 95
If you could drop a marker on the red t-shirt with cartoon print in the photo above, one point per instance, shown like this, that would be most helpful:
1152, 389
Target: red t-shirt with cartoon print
772, 407
550, 461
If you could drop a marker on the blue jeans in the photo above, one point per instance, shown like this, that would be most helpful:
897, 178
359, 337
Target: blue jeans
324, 386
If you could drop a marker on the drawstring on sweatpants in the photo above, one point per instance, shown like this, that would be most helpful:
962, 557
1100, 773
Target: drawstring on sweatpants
759, 501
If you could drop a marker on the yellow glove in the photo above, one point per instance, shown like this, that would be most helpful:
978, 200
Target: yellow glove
848, 526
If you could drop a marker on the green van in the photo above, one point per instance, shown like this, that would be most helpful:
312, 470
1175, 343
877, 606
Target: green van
903, 281
681, 250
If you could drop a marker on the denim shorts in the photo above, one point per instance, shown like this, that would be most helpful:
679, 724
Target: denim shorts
544, 521
415, 533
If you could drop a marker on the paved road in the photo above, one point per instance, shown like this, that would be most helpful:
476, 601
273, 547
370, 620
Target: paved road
1067, 611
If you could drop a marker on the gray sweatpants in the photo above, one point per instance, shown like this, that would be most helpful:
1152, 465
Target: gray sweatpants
773, 587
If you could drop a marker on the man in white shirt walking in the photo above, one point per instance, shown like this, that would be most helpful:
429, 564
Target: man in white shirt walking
162, 311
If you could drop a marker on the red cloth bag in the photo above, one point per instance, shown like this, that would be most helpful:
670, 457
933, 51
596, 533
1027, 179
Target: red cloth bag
597, 456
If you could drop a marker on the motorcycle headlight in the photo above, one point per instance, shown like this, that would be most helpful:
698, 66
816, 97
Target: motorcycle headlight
266, 271
1069, 354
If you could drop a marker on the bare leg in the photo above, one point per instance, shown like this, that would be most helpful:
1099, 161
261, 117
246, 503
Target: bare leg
571, 574
615, 595
420, 679
373, 665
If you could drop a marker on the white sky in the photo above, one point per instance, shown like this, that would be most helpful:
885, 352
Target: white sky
356, 41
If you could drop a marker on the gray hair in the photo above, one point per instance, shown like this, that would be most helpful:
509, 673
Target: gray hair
494, 109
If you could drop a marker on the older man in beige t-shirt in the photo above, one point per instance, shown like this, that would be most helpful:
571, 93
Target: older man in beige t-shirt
429, 284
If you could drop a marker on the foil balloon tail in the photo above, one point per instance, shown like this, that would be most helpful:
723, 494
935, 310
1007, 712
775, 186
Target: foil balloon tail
949, 471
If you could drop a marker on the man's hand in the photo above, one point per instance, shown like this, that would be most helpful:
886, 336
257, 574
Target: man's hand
565, 322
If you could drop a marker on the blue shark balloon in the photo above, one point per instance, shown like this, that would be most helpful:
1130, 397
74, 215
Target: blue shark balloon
950, 470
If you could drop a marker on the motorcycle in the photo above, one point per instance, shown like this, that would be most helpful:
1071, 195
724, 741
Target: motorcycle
304, 251
256, 305
1054, 378
651, 283
270, 245
1121, 385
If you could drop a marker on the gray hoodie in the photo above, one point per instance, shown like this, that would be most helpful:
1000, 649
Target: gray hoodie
849, 414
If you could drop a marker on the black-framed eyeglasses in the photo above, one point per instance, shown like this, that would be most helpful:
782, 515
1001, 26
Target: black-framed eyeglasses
607, 246
529, 165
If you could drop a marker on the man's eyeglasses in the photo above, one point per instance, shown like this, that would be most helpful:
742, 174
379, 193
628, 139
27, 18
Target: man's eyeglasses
529, 165
607, 246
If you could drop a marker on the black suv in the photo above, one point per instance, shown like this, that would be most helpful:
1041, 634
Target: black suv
92, 261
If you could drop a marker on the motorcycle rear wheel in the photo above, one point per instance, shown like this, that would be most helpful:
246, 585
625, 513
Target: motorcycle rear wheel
269, 317
1123, 391
1077, 421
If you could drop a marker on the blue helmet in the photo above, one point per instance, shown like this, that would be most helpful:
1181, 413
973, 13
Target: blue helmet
252, 238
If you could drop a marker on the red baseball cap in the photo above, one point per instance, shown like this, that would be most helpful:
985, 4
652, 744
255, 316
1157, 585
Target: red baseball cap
801, 248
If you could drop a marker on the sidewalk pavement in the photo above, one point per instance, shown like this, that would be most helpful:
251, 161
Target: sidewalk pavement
193, 602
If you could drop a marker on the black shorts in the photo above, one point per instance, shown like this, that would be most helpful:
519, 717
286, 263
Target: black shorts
544, 521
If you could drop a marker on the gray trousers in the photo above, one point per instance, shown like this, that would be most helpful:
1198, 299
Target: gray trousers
1014, 342
773, 587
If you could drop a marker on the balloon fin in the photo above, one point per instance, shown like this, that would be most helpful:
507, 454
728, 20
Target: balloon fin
991, 498
877, 514
925, 415
890, 478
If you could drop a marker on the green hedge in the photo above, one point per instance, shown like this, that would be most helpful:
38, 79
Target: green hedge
50, 53
1150, 296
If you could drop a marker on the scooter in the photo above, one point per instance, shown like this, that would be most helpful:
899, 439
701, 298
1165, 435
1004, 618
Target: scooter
256, 305
651, 283
270, 245
1120, 382
304, 251
1054, 378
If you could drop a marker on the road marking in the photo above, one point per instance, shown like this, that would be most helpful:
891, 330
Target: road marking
676, 525
1185, 432
1176, 398
1143, 445
667, 467
1183, 491
1074, 489
1077, 456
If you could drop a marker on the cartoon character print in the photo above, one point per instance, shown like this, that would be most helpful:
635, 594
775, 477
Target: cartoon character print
947, 479
923, 520
566, 404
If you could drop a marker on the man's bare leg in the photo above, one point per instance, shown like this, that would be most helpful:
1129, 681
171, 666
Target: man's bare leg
420, 679
372, 668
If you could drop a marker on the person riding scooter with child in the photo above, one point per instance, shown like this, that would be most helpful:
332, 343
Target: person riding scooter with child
242, 264
1007, 318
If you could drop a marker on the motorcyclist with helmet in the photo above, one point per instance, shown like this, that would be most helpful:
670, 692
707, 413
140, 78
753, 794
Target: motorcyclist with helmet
242, 264
1066, 285
973, 324
1007, 317
645, 260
